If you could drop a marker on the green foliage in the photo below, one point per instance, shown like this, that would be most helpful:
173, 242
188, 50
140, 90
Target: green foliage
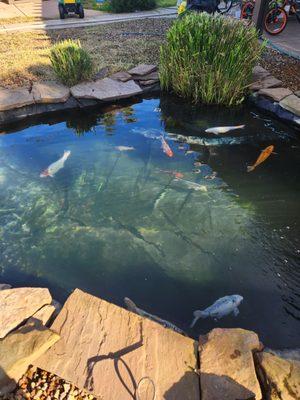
209, 59
119, 6
71, 62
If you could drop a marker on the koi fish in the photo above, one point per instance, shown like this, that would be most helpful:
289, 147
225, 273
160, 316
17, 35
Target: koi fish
223, 129
133, 308
192, 185
166, 148
174, 173
262, 157
56, 166
124, 148
220, 308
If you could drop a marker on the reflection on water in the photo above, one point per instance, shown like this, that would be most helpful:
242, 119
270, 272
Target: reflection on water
174, 234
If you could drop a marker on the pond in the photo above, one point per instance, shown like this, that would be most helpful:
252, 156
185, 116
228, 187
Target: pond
174, 234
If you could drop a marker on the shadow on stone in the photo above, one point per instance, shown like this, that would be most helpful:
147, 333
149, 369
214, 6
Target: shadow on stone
7, 384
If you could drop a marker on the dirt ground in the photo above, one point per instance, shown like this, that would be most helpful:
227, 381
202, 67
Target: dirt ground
24, 57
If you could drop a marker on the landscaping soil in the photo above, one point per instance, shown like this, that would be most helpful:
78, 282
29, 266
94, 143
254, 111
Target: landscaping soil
24, 57
37, 384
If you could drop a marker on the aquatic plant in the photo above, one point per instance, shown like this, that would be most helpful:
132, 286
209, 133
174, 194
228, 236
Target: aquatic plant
209, 59
71, 62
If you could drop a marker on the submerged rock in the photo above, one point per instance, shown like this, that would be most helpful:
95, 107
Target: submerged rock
227, 365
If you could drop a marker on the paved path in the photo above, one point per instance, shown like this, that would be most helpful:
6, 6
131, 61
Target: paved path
74, 22
289, 40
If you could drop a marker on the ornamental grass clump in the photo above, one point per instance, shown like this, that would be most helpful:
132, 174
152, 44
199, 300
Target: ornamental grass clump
71, 62
209, 59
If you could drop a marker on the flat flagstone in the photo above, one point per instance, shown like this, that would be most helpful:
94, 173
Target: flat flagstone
259, 73
265, 83
18, 304
122, 76
280, 377
152, 76
292, 104
112, 352
4, 286
227, 365
106, 90
43, 315
19, 349
276, 94
297, 93
50, 92
142, 69
15, 98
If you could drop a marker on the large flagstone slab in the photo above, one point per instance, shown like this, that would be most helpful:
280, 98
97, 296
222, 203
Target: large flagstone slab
116, 354
227, 365
106, 90
292, 104
15, 98
50, 92
18, 304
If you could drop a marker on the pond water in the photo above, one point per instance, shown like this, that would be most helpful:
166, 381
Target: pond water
118, 223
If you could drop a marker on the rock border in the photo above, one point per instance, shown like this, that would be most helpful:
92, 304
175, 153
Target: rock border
266, 93
48, 97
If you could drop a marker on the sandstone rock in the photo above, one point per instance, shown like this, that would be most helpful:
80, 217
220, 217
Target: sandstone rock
297, 93
19, 349
227, 365
121, 76
50, 92
259, 73
153, 76
4, 286
18, 304
43, 315
101, 73
142, 69
265, 83
106, 90
292, 104
102, 345
148, 83
14, 98
276, 94
281, 378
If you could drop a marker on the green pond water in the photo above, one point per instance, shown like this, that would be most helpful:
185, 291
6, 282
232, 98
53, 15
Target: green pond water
118, 223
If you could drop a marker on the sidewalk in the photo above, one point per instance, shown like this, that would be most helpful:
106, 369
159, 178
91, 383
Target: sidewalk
100, 18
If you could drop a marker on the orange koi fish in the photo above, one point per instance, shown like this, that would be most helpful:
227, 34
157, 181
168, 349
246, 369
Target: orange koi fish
262, 157
166, 148
174, 173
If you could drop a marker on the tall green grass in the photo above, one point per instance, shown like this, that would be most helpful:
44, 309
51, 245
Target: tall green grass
209, 59
71, 62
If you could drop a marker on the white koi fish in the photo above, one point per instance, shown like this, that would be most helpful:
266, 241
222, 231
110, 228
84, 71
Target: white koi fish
132, 307
220, 308
124, 148
223, 129
192, 185
56, 166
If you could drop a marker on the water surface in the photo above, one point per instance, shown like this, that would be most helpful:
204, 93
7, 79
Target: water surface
117, 223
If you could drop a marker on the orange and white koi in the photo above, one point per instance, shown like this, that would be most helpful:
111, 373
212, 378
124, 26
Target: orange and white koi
262, 157
174, 173
56, 166
223, 129
166, 148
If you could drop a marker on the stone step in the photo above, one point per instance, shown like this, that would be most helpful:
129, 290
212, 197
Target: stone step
116, 354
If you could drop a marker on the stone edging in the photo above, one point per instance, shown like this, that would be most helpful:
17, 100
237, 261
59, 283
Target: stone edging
47, 97
269, 95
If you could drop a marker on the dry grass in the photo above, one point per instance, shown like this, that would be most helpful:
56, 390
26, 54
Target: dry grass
18, 20
24, 57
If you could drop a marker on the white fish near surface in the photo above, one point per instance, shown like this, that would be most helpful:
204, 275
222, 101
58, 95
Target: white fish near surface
132, 307
223, 129
124, 148
56, 166
192, 185
220, 308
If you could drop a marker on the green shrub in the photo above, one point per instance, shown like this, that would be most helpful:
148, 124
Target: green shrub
119, 6
71, 62
209, 59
